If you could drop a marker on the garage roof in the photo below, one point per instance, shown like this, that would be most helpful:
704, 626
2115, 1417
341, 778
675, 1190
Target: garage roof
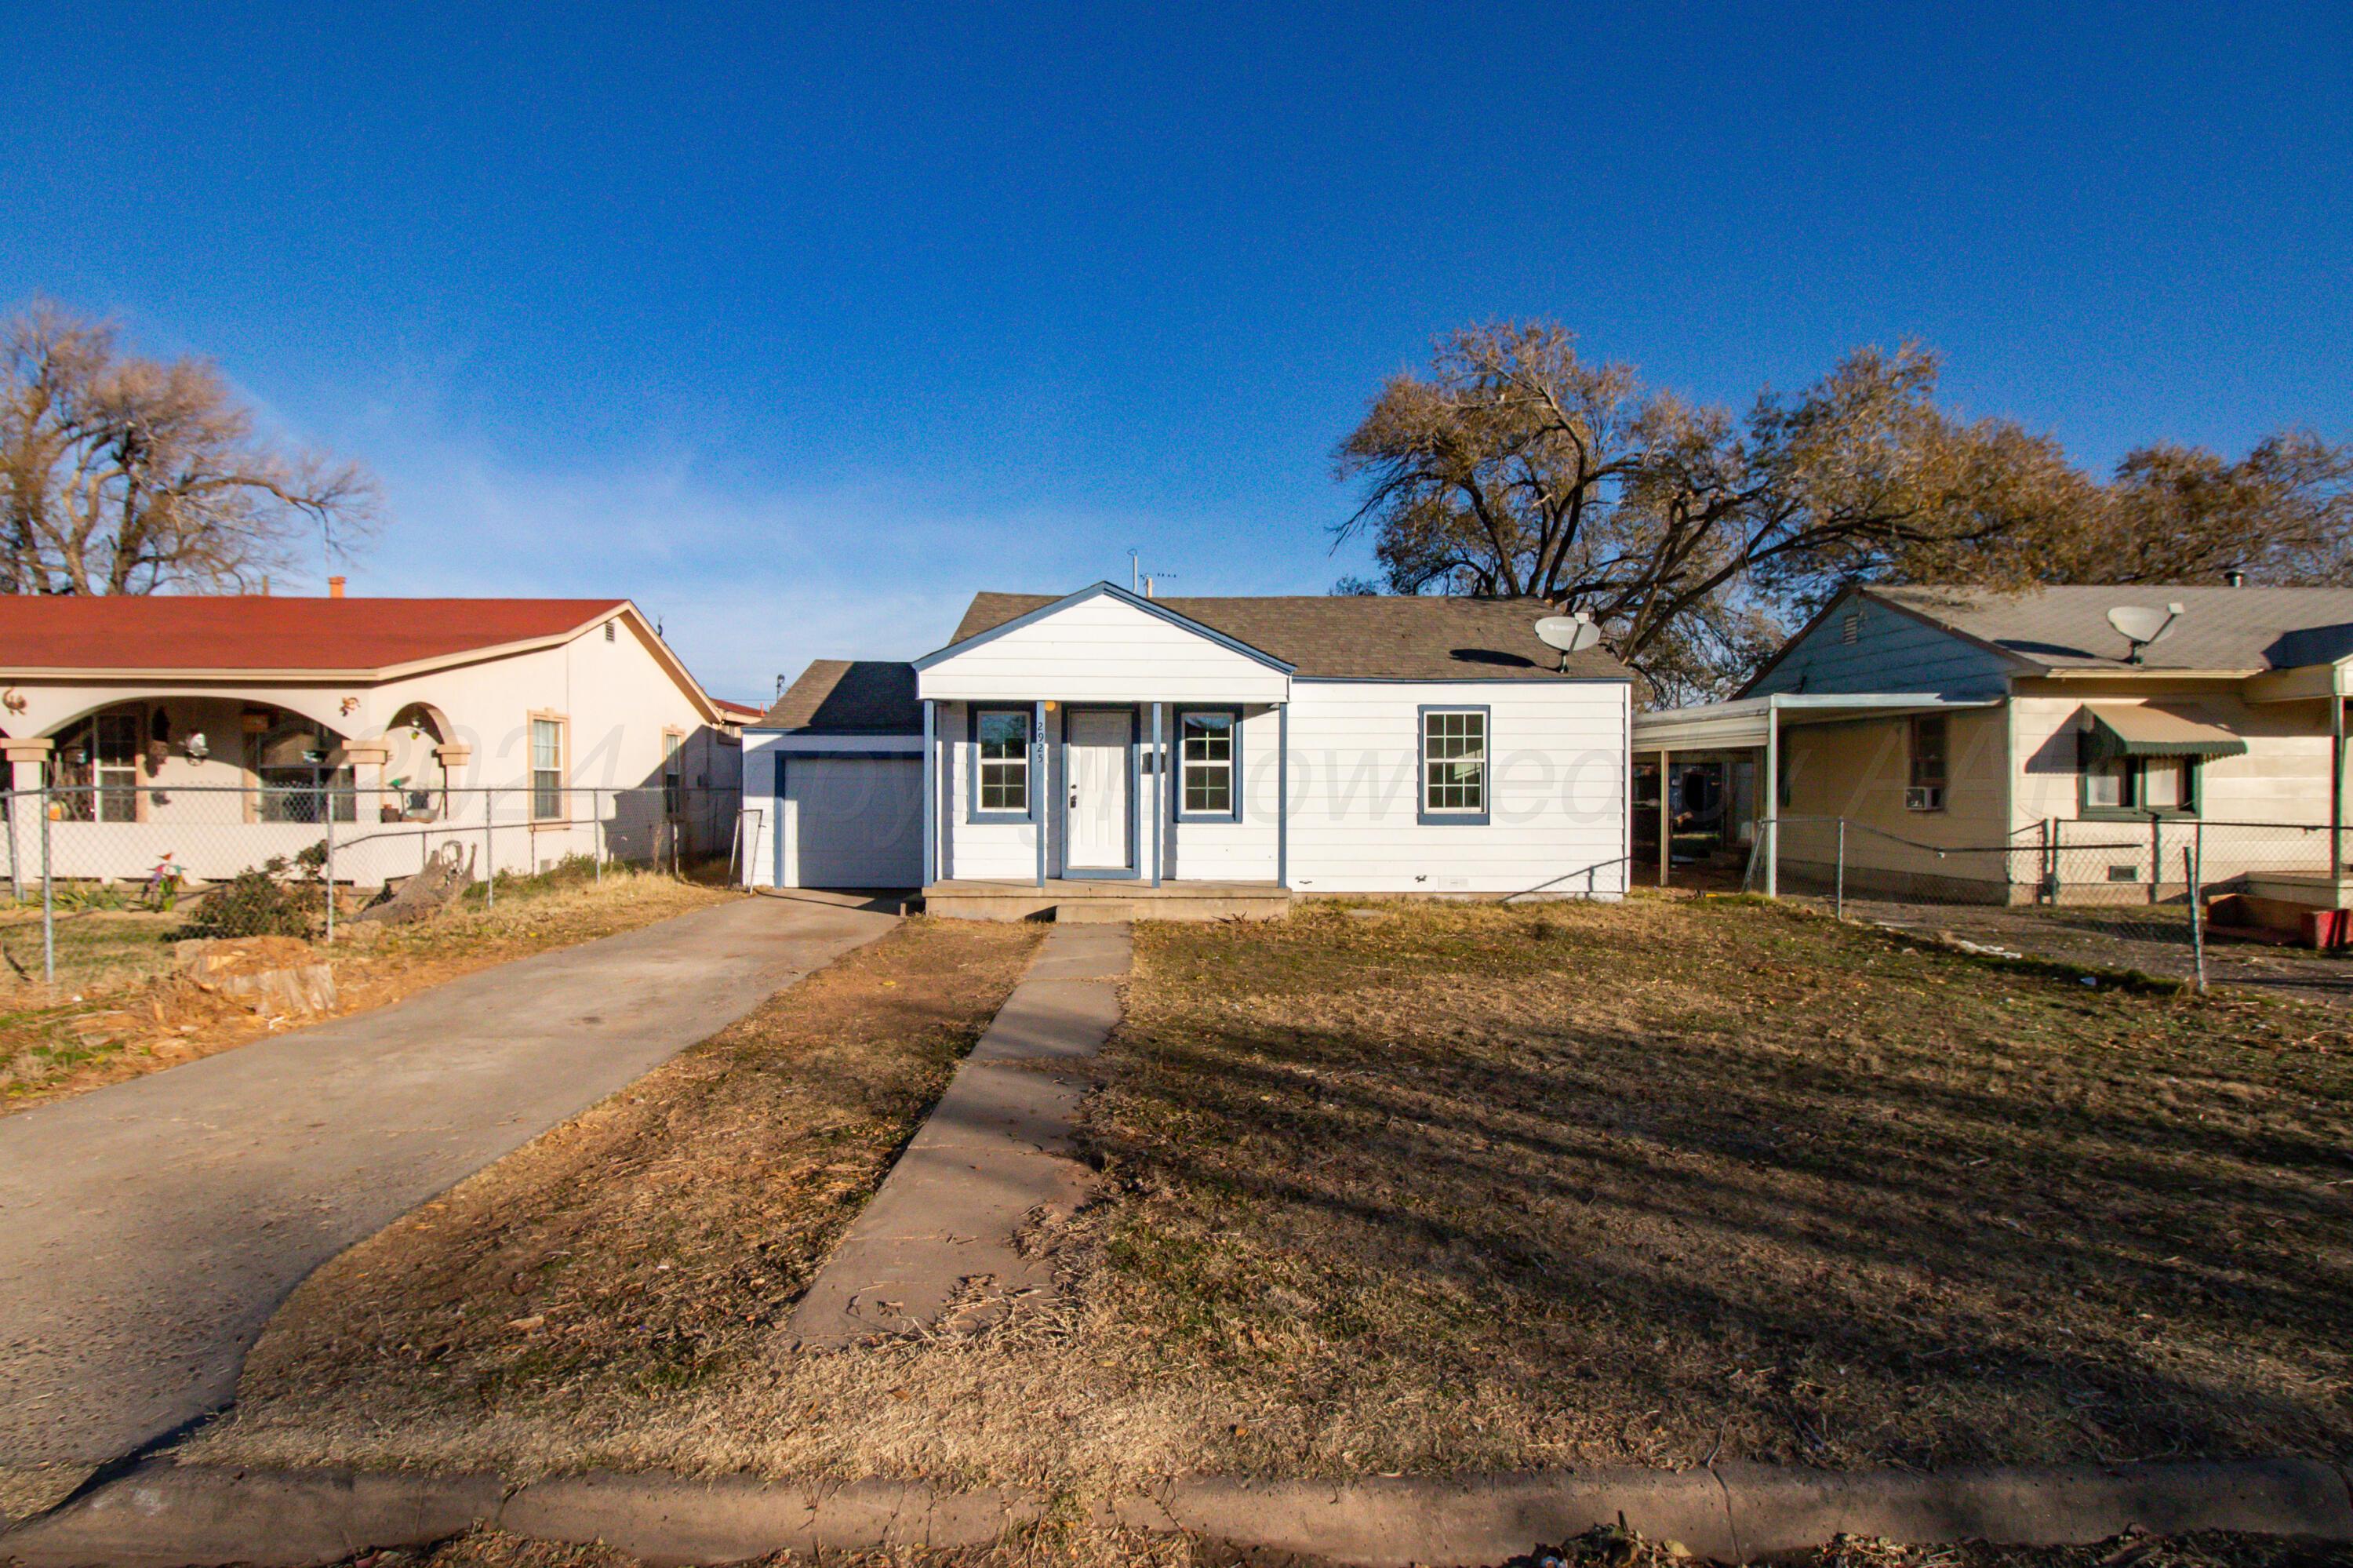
850, 696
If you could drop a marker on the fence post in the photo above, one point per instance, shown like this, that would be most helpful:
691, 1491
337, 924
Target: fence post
16, 862
2193, 857
489, 850
596, 826
330, 865
48, 900
2155, 853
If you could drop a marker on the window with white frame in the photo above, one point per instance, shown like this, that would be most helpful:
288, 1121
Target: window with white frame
1001, 740
1205, 741
546, 768
1454, 762
673, 774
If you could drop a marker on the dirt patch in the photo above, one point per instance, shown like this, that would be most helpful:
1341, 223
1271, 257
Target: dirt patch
2153, 939
128, 1013
1468, 1188
647, 1249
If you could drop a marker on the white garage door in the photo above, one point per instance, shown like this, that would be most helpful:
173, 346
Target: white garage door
854, 822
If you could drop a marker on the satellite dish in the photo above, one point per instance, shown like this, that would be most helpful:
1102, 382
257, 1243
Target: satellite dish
1569, 633
2140, 626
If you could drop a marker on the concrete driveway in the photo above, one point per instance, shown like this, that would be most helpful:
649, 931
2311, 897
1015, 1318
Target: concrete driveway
148, 1230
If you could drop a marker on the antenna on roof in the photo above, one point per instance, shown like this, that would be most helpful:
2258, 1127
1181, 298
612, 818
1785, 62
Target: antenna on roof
2140, 626
1569, 633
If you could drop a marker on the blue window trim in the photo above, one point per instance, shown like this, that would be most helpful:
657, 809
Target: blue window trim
1134, 870
1422, 811
1177, 811
971, 811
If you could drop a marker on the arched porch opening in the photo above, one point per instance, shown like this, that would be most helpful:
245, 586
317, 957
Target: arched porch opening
298, 769
416, 777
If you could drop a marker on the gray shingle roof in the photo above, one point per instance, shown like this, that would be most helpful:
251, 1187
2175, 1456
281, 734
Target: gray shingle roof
2240, 629
1346, 636
850, 696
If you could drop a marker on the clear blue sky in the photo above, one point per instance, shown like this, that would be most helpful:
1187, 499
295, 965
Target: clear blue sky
798, 325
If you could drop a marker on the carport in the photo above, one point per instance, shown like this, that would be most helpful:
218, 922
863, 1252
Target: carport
1752, 727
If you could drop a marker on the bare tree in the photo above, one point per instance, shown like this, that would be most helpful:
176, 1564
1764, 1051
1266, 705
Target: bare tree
1516, 468
120, 474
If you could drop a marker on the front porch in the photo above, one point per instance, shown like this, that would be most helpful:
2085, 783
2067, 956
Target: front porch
1071, 900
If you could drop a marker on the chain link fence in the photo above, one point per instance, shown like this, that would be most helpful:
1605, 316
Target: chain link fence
2135, 893
241, 860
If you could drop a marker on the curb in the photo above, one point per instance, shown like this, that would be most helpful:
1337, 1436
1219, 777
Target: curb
167, 1516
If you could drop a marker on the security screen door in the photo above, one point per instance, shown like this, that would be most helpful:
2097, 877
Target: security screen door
1095, 830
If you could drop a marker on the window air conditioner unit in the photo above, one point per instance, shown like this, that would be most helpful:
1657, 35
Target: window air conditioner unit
1924, 798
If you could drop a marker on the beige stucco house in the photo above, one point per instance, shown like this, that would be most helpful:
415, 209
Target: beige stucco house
218, 731
2018, 747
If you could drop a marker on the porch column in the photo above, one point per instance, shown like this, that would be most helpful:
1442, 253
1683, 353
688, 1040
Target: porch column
1282, 794
2335, 785
931, 797
1159, 791
1038, 784
374, 755
1772, 801
1666, 820
25, 759
21, 765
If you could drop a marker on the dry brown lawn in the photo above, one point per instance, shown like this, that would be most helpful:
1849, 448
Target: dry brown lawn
117, 1013
644, 1254
1429, 1188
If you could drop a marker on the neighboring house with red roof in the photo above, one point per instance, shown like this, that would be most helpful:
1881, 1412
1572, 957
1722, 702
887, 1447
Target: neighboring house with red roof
220, 730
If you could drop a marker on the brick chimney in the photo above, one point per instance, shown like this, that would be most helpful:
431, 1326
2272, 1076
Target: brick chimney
334, 587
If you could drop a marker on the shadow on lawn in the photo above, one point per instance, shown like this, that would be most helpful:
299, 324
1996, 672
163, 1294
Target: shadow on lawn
1754, 1238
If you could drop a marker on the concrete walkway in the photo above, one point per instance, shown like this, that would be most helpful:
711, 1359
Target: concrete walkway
148, 1230
994, 1152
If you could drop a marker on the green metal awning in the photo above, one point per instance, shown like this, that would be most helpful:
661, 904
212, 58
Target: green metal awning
2135, 729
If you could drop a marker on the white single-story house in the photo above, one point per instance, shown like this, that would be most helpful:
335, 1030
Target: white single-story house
2016, 747
1083, 752
222, 730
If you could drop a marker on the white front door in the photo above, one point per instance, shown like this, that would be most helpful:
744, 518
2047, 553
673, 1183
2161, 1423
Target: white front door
1095, 829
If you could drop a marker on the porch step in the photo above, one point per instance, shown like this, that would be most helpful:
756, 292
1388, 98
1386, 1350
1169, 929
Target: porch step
1211, 901
1100, 911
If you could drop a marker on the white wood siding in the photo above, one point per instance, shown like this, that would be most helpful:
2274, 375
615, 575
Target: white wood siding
1100, 650
1227, 852
1557, 804
990, 851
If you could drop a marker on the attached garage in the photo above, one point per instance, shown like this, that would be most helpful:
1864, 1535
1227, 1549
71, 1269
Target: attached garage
833, 781
852, 820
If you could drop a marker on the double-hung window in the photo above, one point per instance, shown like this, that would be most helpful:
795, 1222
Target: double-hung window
546, 768
2138, 784
1208, 756
1454, 765
1000, 762
673, 775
